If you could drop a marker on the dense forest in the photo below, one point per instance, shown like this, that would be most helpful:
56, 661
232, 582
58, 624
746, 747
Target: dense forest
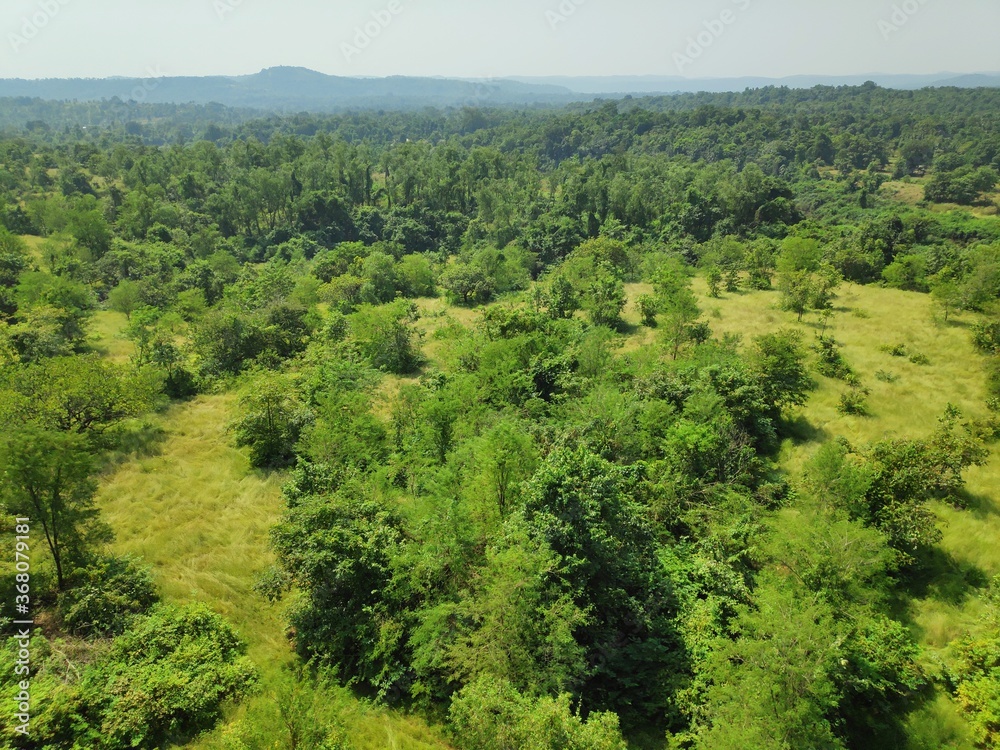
535, 493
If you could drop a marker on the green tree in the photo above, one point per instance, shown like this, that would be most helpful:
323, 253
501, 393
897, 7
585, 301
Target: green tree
125, 298
270, 422
385, 336
468, 284
48, 477
779, 361
13, 261
713, 276
585, 510
81, 394
785, 658
605, 299
679, 315
561, 298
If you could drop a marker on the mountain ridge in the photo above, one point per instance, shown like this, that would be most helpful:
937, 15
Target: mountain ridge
291, 88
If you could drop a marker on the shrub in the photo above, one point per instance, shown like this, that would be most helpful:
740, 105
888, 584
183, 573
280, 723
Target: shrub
854, 401
986, 336
831, 362
106, 596
894, 350
492, 715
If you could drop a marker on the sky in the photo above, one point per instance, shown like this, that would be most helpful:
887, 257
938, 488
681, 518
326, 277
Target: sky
497, 38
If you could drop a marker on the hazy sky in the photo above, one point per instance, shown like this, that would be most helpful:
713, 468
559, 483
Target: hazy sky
494, 38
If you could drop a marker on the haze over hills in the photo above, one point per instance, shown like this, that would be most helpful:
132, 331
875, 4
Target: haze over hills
299, 89
679, 84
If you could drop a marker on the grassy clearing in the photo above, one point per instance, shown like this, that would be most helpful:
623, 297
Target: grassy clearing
200, 516
106, 336
34, 245
947, 605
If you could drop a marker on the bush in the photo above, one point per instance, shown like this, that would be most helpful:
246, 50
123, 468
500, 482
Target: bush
831, 362
986, 336
854, 401
161, 682
492, 715
894, 350
385, 336
168, 676
106, 595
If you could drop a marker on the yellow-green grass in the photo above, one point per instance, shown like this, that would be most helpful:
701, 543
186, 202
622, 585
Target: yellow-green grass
865, 319
200, 516
34, 245
107, 336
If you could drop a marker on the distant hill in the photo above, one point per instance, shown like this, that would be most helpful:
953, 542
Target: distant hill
294, 89
676, 84
286, 89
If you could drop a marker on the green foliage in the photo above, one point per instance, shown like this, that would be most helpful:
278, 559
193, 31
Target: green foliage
85, 395
385, 336
714, 279
787, 657
779, 361
163, 680
887, 484
561, 298
339, 550
832, 363
106, 595
65, 303
490, 715
605, 299
975, 677
854, 401
125, 298
581, 507
48, 476
271, 420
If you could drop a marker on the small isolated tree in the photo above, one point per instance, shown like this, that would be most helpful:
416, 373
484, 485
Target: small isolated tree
714, 279
796, 292
47, 477
948, 297
649, 308
468, 284
125, 298
271, 421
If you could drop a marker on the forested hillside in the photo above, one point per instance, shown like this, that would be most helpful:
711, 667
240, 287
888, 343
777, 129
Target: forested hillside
654, 423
